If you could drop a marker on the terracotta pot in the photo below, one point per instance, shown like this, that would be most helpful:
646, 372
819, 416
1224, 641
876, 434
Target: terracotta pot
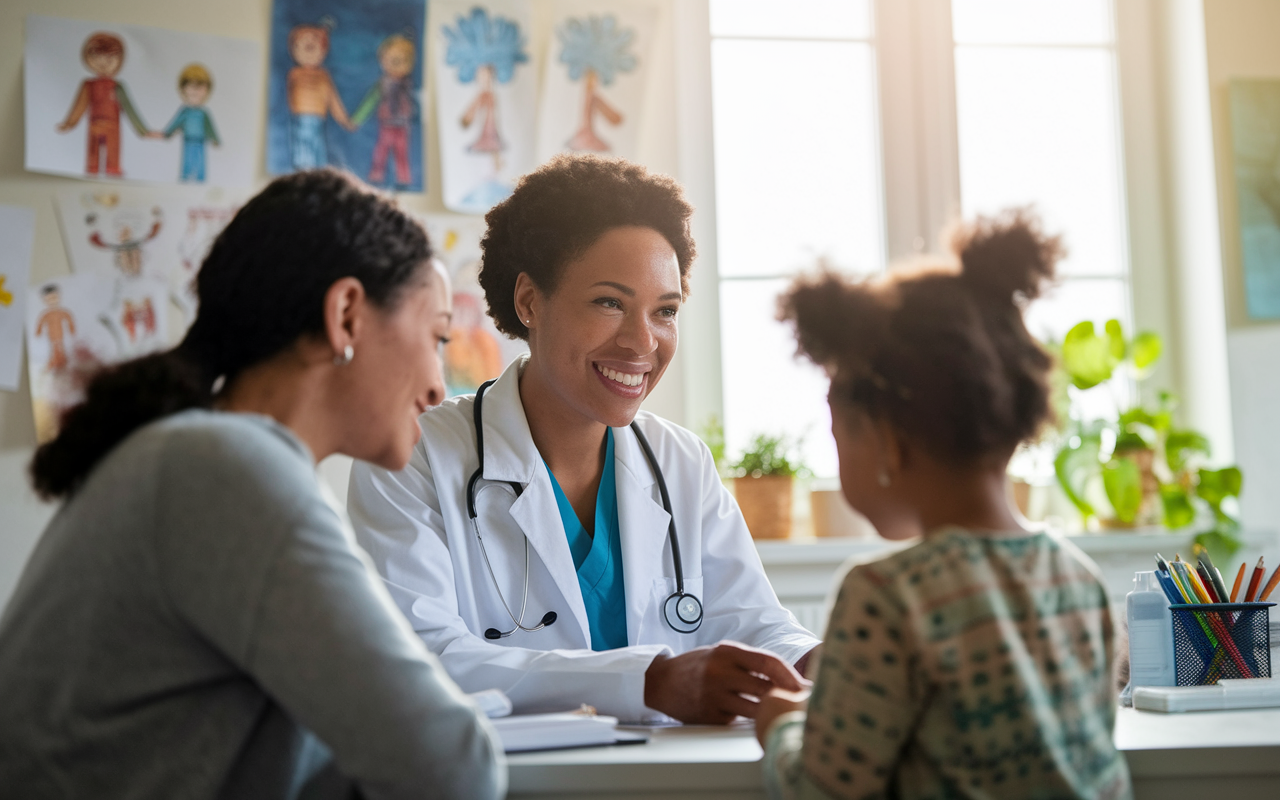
766, 505
832, 515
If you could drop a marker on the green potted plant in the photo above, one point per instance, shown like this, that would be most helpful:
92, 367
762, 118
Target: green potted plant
763, 483
1138, 468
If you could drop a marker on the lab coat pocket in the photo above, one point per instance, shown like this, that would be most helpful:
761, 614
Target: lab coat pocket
655, 629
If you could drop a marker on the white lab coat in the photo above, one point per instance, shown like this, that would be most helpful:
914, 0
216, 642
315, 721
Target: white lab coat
415, 526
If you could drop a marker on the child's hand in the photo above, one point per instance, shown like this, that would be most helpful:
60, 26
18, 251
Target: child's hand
774, 704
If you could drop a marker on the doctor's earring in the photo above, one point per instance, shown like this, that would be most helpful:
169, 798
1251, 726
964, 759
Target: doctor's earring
882, 478
348, 353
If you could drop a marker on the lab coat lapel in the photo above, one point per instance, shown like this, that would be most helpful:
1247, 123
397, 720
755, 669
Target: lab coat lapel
642, 525
510, 455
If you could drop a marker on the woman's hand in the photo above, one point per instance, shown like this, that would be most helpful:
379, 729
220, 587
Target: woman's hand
712, 685
773, 705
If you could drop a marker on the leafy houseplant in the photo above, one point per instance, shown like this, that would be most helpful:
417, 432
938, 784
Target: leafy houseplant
1138, 468
763, 480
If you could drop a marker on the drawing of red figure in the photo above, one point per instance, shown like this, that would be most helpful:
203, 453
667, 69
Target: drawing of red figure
137, 315
51, 323
104, 98
127, 250
484, 107
392, 96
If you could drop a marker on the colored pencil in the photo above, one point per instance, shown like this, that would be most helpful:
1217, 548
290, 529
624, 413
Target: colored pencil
1206, 578
1254, 581
1271, 585
1235, 590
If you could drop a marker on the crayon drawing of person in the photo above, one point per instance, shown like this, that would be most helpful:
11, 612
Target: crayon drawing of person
595, 50
393, 98
138, 318
312, 97
473, 354
485, 50
55, 323
127, 245
104, 98
194, 120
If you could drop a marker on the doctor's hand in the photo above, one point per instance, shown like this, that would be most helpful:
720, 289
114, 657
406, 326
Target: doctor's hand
712, 685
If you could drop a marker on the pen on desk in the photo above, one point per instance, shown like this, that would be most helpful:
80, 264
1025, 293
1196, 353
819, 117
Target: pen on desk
1254, 580
1235, 589
1271, 586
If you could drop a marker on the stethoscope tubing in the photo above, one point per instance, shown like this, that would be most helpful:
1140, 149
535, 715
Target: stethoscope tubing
685, 626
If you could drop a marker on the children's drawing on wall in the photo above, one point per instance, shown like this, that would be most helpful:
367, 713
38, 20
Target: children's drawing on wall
1255, 137
193, 121
594, 80
394, 99
328, 56
486, 100
17, 229
104, 98
476, 350
128, 234
80, 323
91, 90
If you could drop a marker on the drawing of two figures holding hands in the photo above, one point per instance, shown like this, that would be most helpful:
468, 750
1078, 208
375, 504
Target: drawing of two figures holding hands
104, 98
312, 98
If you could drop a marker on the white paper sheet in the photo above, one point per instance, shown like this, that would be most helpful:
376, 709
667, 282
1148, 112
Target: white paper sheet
162, 233
17, 231
485, 99
593, 85
154, 59
80, 323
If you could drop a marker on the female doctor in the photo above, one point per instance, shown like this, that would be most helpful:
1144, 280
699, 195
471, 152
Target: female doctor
550, 539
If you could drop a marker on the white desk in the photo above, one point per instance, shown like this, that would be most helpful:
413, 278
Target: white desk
1167, 756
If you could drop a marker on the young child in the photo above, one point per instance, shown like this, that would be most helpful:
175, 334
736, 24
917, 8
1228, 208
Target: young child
194, 120
978, 662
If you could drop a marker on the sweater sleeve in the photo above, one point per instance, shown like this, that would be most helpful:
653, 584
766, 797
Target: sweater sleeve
280, 587
863, 703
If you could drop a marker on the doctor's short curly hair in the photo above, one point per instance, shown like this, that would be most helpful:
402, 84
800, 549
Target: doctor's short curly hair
559, 210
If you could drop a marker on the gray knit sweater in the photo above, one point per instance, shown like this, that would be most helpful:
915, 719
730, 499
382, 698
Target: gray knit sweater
198, 622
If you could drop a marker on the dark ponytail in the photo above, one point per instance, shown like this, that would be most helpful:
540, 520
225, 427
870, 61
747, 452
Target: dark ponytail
261, 288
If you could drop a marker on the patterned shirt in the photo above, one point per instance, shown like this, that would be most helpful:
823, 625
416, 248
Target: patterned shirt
968, 666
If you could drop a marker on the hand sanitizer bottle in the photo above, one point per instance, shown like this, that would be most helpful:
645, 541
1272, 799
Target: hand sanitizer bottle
1150, 633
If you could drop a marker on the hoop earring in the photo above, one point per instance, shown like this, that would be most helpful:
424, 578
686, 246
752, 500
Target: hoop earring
348, 353
882, 478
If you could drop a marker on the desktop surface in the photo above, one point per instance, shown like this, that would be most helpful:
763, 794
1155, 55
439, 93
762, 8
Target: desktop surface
1171, 756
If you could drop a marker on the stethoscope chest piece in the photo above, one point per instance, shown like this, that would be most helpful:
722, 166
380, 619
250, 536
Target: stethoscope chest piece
683, 612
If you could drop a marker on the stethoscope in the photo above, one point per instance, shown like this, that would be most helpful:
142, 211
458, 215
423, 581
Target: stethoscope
682, 609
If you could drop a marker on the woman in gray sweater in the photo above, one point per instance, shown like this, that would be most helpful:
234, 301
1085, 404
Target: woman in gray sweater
197, 620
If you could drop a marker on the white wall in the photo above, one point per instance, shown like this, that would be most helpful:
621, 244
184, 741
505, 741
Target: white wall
22, 516
1240, 42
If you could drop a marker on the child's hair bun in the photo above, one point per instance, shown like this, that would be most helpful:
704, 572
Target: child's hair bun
1007, 257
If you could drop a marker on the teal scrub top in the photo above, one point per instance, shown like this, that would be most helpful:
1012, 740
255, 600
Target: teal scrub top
598, 559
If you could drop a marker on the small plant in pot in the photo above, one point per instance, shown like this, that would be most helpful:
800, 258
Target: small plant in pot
763, 483
1138, 468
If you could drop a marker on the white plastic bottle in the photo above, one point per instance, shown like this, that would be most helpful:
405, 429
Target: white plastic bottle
1150, 633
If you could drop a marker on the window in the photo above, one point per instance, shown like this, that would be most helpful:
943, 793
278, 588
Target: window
801, 173
797, 179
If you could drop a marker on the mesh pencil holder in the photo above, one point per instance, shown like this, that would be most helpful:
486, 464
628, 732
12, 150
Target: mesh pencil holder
1221, 640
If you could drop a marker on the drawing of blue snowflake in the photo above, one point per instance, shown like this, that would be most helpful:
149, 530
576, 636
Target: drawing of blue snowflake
479, 40
596, 44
